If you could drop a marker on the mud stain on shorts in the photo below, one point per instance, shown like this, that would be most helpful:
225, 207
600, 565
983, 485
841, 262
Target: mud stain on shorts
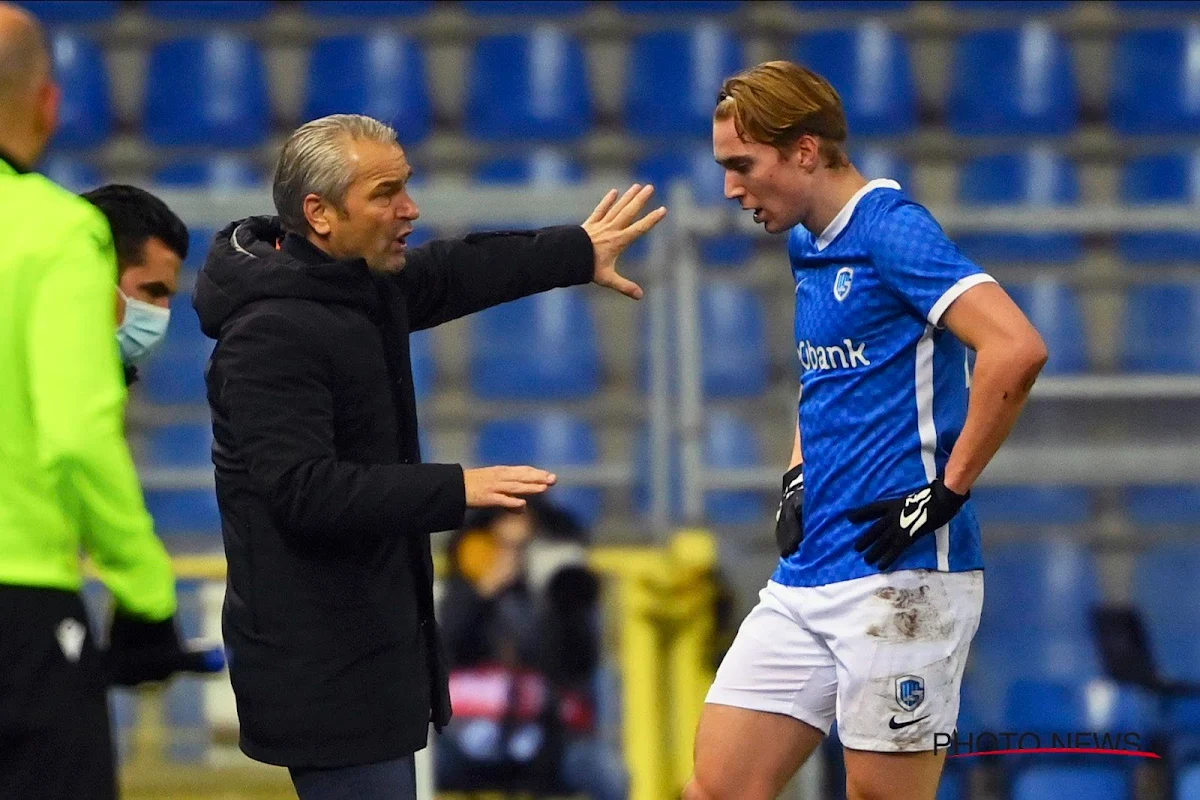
911, 615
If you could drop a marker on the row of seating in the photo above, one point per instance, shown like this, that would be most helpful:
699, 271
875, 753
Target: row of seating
92, 11
213, 90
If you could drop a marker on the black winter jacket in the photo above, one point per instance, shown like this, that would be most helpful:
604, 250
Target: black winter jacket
326, 507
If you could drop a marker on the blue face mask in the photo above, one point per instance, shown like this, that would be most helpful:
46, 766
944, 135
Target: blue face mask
142, 329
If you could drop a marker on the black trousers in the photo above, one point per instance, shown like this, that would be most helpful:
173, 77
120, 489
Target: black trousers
55, 740
387, 780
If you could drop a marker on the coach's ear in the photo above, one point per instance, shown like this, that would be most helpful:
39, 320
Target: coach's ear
317, 212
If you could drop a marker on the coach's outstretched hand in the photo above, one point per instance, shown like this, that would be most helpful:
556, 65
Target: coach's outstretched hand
613, 226
902, 521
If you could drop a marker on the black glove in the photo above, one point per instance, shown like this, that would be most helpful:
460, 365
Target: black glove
789, 519
141, 651
902, 521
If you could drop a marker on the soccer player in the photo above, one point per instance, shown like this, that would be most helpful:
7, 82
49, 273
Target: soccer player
877, 594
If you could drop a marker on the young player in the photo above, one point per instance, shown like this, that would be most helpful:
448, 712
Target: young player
871, 610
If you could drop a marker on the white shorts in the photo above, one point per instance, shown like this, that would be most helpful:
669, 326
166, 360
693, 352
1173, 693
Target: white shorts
884, 654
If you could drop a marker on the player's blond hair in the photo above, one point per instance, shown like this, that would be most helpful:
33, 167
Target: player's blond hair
777, 102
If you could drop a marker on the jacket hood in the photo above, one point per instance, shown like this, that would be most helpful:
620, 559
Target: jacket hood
247, 263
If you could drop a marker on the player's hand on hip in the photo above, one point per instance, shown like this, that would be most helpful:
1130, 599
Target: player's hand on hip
789, 519
903, 520
504, 487
615, 225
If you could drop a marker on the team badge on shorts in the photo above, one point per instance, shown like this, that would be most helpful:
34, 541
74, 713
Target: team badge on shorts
842, 282
910, 691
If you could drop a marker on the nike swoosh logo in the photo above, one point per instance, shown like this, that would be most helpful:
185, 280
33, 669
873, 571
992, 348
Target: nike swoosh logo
898, 725
907, 519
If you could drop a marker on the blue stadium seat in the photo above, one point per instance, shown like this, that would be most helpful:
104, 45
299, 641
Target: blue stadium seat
855, 6
424, 362
1032, 506
174, 374
689, 7
1045, 707
222, 172
181, 512
207, 92
366, 8
71, 173
731, 442
381, 75
1000, 657
870, 67
85, 117
1159, 5
674, 77
544, 166
1015, 82
1056, 311
1011, 6
1059, 782
539, 347
1037, 178
67, 12
879, 162
1053, 581
180, 444
528, 86
212, 10
1161, 179
733, 340
551, 441
1167, 592
1162, 329
501, 8
1155, 87
199, 242
1187, 784
1163, 505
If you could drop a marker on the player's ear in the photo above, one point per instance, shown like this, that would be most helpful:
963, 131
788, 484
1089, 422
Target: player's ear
807, 153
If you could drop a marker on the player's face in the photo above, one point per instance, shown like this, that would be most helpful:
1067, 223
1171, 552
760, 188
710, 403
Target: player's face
759, 177
155, 280
378, 214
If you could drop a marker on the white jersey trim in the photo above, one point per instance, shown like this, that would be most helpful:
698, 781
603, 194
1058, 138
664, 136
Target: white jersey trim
928, 432
953, 293
843, 217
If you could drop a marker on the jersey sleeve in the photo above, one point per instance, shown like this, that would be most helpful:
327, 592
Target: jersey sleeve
917, 261
78, 403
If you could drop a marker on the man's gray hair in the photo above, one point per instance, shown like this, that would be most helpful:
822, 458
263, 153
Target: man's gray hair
314, 161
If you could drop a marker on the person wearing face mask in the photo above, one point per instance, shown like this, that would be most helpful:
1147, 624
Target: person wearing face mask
151, 244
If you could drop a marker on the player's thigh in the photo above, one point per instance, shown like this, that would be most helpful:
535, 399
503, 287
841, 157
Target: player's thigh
892, 776
748, 755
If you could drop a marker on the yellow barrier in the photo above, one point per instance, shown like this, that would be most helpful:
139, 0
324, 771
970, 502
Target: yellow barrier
663, 600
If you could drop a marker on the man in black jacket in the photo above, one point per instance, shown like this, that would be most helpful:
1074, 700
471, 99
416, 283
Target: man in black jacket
326, 507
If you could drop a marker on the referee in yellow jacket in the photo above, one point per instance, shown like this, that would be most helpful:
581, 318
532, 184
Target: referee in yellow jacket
67, 481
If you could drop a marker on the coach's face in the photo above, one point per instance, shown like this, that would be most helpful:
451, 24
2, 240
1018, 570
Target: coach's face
377, 215
760, 177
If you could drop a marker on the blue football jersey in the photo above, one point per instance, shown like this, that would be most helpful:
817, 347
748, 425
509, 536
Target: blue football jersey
883, 385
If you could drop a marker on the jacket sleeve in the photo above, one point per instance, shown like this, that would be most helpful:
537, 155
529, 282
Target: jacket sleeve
448, 279
78, 404
274, 387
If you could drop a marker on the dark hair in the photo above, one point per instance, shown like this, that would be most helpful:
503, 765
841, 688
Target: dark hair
135, 216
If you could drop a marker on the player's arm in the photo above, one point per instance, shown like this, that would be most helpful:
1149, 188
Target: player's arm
1009, 355
78, 403
789, 519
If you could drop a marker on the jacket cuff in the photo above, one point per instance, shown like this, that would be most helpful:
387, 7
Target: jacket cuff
579, 260
453, 489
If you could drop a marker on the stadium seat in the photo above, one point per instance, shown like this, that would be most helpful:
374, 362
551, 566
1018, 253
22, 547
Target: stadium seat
180, 444
211, 10
1032, 506
207, 92
1053, 581
1187, 784
1161, 333
174, 373
219, 172
1159, 5
1056, 311
551, 440
183, 512
999, 657
366, 8
674, 77
1023, 7
855, 6
731, 442
1038, 178
1059, 782
869, 65
199, 242
545, 166
1161, 179
1163, 505
878, 162
1155, 85
424, 362
85, 117
689, 7
1167, 592
68, 12
733, 340
1045, 707
1016, 82
71, 173
501, 8
539, 347
381, 75
528, 86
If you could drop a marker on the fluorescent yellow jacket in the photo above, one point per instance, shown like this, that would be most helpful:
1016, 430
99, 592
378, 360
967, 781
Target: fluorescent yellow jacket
67, 481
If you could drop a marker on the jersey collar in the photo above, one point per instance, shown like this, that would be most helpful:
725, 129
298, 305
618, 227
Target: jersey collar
843, 217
